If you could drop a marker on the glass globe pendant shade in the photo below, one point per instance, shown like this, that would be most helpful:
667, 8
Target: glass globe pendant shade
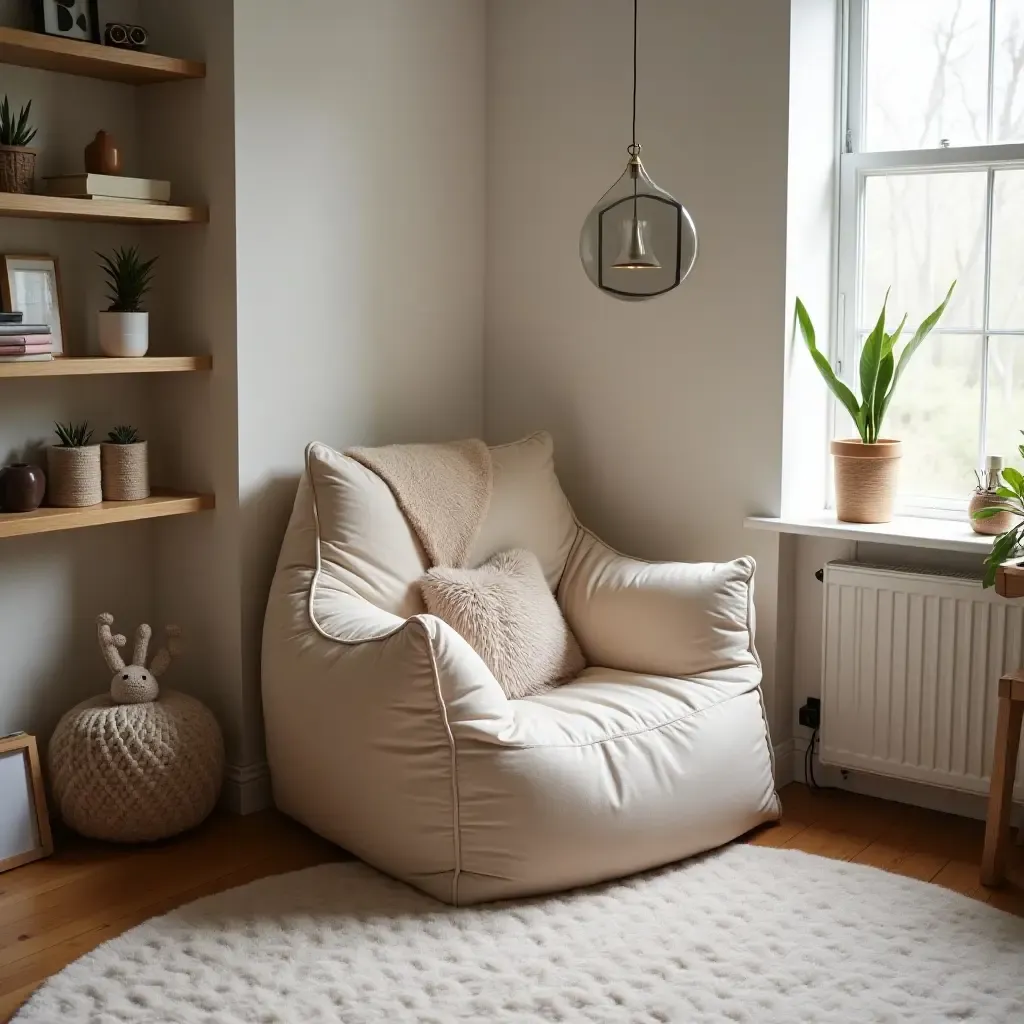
638, 242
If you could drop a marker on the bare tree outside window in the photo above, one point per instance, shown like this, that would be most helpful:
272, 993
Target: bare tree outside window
938, 77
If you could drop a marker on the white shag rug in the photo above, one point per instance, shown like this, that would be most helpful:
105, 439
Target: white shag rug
747, 935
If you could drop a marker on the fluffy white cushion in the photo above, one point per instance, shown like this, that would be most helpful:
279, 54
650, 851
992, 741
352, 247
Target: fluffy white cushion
507, 614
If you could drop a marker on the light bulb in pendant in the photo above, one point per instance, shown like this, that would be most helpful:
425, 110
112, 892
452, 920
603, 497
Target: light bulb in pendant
635, 253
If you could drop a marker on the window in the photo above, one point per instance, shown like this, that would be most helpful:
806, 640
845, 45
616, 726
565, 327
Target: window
932, 189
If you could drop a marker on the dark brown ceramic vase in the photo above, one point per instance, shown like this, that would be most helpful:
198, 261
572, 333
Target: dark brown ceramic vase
21, 487
102, 156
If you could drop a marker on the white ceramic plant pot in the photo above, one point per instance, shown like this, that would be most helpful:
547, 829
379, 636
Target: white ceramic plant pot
125, 335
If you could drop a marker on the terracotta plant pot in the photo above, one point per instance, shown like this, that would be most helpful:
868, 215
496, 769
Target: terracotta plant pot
997, 524
21, 487
866, 477
125, 471
73, 475
17, 169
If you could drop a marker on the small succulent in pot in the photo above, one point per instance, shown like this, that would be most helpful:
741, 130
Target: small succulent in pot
125, 460
73, 467
17, 161
1009, 544
124, 326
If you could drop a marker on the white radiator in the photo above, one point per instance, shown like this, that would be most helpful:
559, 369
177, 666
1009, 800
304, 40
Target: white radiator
911, 665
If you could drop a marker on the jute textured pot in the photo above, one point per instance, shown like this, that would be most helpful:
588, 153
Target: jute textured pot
17, 169
866, 477
125, 471
73, 476
996, 524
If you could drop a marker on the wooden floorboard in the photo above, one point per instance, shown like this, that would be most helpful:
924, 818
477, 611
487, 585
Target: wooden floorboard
56, 910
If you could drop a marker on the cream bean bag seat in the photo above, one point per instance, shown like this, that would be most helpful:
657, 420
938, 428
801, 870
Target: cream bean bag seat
387, 734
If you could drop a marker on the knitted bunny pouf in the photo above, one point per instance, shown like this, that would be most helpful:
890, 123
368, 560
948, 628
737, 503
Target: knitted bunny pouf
137, 764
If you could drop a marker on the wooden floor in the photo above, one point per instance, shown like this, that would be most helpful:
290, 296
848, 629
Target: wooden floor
55, 910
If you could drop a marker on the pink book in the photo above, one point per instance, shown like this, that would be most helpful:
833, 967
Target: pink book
32, 348
21, 340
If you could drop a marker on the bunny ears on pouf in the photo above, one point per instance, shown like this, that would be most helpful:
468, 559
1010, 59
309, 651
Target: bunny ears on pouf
134, 684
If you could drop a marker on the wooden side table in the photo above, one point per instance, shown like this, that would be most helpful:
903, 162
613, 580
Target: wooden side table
1009, 583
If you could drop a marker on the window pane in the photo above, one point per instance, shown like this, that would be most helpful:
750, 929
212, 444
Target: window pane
1008, 108
921, 232
1007, 309
927, 73
1006, 398
936, 413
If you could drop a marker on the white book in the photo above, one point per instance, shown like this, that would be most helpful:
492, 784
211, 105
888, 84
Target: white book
35, 358
108, 186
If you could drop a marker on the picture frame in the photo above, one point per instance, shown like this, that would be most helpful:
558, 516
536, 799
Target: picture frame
25, 833
31, 285
68, 19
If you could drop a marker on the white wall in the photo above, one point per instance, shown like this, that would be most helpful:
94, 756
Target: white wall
667, 415
360, 240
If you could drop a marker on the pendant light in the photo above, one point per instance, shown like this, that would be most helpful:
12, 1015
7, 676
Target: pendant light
638, 241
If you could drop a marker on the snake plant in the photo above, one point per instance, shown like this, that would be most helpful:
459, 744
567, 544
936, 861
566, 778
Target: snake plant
880, 370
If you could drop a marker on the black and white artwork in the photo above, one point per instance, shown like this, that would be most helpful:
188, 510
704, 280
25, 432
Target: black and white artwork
73, 19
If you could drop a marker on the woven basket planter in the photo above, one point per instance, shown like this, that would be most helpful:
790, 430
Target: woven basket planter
17, 169
73, 476
125, 471
866, 476
996, 524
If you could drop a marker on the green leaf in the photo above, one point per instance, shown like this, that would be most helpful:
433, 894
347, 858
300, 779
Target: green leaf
988, 513
1015, 479
915, 343
837, 387
1005, 492
870, 363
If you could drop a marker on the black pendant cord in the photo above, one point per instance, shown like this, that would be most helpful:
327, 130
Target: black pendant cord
635, 4
634, 148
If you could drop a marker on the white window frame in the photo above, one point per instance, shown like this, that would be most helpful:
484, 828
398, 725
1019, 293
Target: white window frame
855, 167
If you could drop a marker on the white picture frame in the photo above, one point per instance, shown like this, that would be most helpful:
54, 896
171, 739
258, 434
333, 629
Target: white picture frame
24, 821
31, 285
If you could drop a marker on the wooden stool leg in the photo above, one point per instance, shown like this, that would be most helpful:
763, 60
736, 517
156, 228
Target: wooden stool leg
1004, 769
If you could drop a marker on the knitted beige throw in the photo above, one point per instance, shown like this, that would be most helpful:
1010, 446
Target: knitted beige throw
444, 491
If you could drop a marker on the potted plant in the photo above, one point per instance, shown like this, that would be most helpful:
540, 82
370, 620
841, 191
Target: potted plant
73, 468
17, 161
125, 466
986, 496
1009, 544
866, 467
124, 327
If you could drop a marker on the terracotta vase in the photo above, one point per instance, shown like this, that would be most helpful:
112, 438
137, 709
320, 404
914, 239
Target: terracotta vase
21, 487
17, 169
866, 476
102, 156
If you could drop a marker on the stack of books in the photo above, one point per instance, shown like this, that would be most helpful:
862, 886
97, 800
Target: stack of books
109, 186
24, 343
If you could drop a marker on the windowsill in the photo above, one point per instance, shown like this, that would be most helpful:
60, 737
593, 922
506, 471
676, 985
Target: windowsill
903, 531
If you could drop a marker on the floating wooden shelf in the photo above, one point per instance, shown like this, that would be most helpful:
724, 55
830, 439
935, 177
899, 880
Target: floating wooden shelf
73, 57
48, 520
92, 365
61, 208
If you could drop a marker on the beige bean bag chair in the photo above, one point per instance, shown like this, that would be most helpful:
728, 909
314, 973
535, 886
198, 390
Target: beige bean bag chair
388, 734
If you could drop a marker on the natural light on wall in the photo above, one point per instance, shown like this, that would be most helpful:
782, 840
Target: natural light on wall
932, 189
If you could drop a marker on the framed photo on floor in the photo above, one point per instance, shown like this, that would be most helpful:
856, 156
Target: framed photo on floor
24, 822
31, 285
70, 19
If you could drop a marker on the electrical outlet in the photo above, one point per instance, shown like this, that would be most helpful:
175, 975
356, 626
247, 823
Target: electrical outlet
810, 714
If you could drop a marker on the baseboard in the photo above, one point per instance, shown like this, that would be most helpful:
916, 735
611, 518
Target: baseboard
917, 794
246, 788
